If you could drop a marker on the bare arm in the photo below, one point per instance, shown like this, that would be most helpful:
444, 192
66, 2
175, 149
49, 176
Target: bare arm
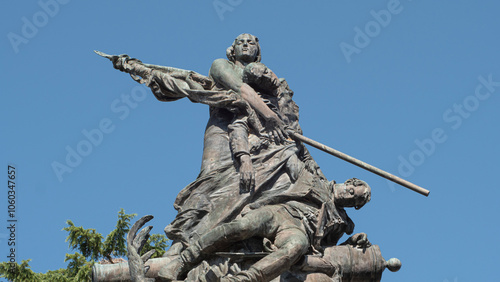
223, 73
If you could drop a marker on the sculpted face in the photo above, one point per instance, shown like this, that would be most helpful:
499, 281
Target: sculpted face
265, 77
245, 48
353, 193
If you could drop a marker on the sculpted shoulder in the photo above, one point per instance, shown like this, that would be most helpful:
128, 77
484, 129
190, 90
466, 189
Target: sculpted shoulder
226, 74
218, 66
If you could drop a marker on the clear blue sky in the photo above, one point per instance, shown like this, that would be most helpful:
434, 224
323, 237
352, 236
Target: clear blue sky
415, 93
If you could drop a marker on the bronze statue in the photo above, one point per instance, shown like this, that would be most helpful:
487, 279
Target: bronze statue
284, 224
261, 207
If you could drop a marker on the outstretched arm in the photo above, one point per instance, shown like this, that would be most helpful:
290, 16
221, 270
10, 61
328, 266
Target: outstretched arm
167, 83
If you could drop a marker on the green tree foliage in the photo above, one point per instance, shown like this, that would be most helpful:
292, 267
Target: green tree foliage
18, 272
87, 241
157, 242
78, 266
115, 243
91, 246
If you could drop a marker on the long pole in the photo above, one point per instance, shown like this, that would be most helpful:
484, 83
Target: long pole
361, 164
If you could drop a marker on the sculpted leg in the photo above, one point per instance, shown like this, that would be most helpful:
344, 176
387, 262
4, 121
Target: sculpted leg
292, 244
254, 223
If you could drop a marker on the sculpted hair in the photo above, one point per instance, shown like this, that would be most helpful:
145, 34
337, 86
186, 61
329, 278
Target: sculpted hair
249, 75
230, 50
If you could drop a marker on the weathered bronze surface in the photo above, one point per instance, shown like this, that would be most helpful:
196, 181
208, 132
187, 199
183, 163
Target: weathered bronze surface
260, 209
357, 264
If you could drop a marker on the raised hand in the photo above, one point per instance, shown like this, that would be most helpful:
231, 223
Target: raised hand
135, 242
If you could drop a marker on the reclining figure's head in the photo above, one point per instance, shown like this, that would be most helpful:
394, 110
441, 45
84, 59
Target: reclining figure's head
261, 77
352, 193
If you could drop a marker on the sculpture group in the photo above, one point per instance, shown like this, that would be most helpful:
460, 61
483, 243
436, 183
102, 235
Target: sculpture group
260, 209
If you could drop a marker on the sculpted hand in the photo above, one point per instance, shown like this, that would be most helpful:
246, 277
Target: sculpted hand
247, 174
312, 166
120, 61
275, 128
360, 240
135, 242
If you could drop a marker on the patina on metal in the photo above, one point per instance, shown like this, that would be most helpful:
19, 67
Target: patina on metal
260, 209
355, 264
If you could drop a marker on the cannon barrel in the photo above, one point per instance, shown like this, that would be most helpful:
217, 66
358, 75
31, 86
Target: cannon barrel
350, 263
120, 271
354, 264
